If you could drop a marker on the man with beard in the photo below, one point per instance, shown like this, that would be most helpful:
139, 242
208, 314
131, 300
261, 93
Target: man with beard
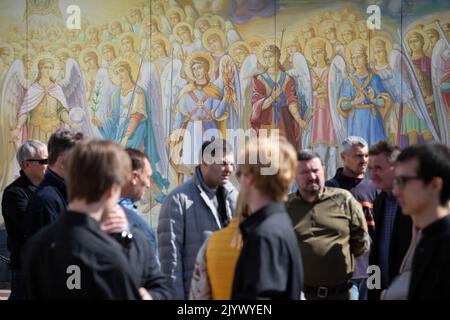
331, 231
355, 160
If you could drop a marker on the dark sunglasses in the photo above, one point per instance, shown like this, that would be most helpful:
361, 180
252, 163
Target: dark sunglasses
40, 161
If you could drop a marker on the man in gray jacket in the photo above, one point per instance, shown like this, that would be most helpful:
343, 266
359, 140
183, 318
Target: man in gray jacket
193, 210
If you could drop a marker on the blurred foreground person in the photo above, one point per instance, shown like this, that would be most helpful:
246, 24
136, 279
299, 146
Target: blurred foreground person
422, 188
269, 265
73, 258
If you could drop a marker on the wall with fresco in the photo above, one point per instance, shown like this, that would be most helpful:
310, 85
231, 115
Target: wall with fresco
138, 70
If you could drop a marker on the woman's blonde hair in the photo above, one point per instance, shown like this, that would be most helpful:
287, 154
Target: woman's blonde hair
278, 155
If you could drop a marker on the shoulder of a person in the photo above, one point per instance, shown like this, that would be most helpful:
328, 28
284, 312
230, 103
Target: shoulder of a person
339, 193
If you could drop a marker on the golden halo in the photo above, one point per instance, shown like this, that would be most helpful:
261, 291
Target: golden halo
239, 44
115, 78
83, 53
178, 10
91, 28
63, 51
328, 49
200, 20
325, 25
347, 26
254, 41
154, 19
219, 19
267, 43
386, 40
178, 26
104, 44
41, 56
73, 44
351, 46
133, 36
426, 42
165, 41
210, 32
198, 54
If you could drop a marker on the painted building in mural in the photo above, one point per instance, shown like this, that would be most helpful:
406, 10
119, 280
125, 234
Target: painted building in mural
136, 71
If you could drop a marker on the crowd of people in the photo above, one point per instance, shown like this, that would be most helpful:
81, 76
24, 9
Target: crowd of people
74, 231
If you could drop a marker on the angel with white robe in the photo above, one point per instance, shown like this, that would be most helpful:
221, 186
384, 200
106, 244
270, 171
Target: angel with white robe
408, 121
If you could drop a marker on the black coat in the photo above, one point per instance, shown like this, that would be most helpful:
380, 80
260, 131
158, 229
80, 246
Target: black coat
400, 241
431, 263
14, 204
269, 265
75, 240
145, 267
46, 204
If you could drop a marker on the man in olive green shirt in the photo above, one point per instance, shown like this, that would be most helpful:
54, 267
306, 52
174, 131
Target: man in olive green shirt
331, 231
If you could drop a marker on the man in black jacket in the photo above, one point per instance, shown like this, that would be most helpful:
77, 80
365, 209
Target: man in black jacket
32, 158
393, 229
422, 188
50, 198
269, 265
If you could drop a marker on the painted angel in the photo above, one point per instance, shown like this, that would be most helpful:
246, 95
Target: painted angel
46, 105
36, 110
440, 73
408, 121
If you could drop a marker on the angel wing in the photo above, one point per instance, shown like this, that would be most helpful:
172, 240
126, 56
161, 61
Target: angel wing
74, 89
248, 70
404, 88
440, 64
303, 83
171, 85
336, 77
232, 34
101, 100
191, 15
13, 92
149, 81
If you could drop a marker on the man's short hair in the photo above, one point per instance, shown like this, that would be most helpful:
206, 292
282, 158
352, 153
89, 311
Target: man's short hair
60, 142
389, 150
433, 161
283, 161
351, 141
29, 150
308, 154
94, 166
215, 148
137, 158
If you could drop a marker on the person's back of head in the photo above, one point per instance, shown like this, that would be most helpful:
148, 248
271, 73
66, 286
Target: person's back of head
270, 165
96, 171
59, 144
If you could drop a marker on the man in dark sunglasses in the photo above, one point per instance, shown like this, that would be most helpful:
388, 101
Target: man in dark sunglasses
32, 158
422, 187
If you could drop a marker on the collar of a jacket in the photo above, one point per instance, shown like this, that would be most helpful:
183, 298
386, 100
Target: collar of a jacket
25, 180
259, 216
341, 178
51, 178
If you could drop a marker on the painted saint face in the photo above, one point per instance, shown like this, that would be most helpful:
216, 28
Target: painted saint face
270, 58
199, 71
215, 43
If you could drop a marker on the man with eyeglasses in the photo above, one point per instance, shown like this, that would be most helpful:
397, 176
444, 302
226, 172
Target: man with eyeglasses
50, 198
193, 210
32, 159
393, 233
422, 188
